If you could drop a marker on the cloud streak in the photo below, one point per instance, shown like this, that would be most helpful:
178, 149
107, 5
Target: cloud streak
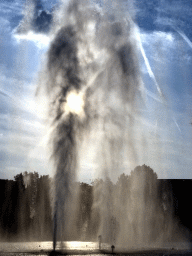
150, 72
186, 39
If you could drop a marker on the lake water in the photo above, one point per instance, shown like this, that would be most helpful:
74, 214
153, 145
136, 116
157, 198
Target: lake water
87, 248
38, 246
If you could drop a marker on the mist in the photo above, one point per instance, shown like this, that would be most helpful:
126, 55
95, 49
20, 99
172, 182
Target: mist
92, 81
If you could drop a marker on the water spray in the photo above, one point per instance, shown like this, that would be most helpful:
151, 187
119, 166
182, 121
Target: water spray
93, 83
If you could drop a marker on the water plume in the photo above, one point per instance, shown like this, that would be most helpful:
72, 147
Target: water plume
93, 86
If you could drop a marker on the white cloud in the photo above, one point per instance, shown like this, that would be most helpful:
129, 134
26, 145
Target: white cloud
40, 40
162, 39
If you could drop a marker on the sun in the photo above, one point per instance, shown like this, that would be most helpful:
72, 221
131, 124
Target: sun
74, 103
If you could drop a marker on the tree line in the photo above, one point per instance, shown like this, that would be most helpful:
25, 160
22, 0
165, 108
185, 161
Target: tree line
25, 208
26, 213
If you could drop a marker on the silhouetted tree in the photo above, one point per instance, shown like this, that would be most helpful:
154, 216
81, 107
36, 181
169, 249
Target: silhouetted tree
33, 206
139, 207
123, 189
44, 223
84, 211
97, 186
23, 208
8, 212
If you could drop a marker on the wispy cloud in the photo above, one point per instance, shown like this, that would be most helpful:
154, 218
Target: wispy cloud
151, 74
174, 13
14, 8
176, 124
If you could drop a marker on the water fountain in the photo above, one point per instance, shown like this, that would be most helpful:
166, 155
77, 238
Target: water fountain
93, 84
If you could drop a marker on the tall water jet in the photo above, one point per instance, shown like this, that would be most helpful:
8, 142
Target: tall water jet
94, 88
67, 107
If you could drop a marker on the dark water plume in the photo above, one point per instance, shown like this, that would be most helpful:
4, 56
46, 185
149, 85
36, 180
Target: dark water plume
93, 85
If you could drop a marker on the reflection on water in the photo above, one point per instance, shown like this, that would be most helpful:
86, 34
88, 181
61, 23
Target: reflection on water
38, 246
86, 248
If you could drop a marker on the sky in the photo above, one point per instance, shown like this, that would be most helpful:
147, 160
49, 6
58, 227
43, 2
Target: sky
164, 37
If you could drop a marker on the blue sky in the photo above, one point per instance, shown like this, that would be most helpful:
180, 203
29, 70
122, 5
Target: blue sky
164, 35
